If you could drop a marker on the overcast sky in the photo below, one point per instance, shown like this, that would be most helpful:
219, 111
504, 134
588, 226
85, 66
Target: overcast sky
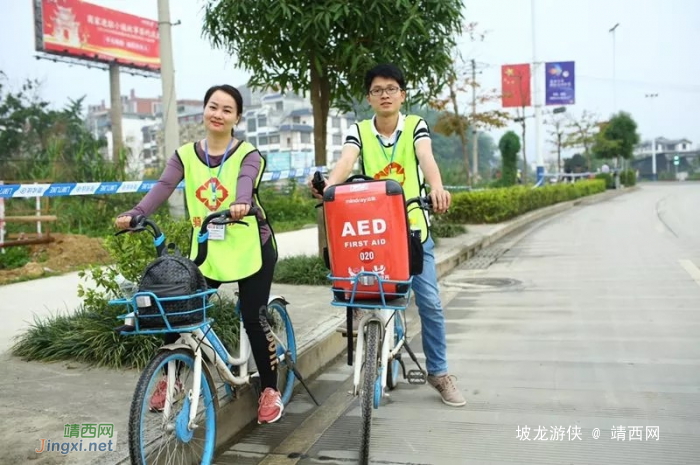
656, 50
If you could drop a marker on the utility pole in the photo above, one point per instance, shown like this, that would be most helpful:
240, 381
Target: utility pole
115, 112
167, 73
475, 134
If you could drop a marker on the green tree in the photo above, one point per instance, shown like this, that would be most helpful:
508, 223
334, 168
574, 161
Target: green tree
326, 46
509, 145
582, 134
617, 138
39, 142
575, 164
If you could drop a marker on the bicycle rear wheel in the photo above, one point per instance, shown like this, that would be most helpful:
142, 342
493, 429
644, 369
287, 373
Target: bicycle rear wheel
158, 432
368, 386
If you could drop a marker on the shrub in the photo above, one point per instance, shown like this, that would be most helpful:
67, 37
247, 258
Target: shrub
302, 270
608, 178
14, 257
87, 335
497, 205
509, 145
628, 178
289, 209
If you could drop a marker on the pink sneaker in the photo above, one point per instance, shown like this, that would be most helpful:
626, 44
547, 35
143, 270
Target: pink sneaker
271, 407
157, 401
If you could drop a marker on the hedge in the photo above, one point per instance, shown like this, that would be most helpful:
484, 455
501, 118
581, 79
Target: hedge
497, 205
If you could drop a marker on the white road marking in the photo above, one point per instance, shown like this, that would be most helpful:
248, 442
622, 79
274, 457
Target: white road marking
692, 270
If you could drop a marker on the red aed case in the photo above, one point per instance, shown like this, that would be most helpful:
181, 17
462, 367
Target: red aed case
367, 230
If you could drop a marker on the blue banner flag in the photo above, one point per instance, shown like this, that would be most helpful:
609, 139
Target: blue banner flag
560, 83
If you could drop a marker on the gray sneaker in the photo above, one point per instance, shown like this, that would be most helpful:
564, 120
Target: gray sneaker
448, 390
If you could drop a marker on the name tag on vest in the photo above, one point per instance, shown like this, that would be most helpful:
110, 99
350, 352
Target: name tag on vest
217, 232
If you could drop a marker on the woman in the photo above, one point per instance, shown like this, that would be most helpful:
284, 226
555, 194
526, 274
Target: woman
221, 171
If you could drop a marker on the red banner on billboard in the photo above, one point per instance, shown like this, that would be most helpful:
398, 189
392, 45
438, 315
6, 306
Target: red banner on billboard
91, 32
515, 85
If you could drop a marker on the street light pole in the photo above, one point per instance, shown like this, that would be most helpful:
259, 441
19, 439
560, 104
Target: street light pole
536, 99
612, 30
653, 138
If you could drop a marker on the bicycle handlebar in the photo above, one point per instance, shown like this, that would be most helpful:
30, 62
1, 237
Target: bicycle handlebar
140, 223
220, 218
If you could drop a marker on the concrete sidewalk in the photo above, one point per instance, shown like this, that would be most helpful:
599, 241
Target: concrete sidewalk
40, 398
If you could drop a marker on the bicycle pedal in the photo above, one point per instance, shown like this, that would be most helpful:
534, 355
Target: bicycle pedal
416, 377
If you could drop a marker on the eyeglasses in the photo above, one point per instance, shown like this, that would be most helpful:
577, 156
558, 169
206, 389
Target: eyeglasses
378, 91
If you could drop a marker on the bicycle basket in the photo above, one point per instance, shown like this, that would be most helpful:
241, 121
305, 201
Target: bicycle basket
171, 275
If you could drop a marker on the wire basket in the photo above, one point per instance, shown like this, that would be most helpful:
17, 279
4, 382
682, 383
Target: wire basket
153, 315
371, 299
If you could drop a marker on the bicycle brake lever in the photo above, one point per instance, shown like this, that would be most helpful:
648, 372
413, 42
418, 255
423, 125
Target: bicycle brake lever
130, 230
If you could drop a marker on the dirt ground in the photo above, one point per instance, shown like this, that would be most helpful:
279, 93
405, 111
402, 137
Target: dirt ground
68, 252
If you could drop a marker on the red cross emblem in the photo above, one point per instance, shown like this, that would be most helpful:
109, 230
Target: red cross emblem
204, 194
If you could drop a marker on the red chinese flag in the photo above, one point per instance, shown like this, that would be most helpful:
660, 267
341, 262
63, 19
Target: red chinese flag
515, 85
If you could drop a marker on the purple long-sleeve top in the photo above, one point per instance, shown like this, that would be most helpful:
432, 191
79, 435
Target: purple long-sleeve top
175, 172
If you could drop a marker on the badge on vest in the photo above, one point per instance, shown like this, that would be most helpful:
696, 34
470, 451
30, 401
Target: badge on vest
217, 232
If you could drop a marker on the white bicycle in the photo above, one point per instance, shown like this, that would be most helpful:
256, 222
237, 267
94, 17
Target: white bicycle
180, 373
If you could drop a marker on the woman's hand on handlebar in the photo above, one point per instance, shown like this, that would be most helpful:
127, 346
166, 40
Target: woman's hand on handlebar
441, 200
123, 222
238, 210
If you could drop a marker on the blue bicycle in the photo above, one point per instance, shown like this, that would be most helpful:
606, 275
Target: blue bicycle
173, 411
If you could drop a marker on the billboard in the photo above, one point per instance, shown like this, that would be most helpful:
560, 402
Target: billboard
515, 85
78, 29
560, 88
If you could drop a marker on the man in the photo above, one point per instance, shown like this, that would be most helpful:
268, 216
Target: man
396, 146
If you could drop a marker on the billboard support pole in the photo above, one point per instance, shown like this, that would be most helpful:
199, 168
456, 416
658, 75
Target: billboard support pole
167, 73
115, 112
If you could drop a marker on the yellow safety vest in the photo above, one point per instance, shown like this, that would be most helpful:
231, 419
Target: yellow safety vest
398, 163
239, 254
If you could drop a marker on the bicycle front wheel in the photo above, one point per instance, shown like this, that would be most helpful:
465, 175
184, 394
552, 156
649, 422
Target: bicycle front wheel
368, 386
159, 429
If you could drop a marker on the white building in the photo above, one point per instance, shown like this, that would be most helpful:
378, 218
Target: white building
663, 145
282, 128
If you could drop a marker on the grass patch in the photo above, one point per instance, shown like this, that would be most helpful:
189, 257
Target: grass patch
14, 257
302, 270
88, 336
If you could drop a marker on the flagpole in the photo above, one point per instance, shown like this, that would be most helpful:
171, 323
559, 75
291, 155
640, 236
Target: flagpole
536, 99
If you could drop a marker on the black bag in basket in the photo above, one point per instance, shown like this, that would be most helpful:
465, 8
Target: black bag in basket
171, 275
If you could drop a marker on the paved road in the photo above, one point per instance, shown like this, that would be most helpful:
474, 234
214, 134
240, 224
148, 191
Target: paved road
587, 324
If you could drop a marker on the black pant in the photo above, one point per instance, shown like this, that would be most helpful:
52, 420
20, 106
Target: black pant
254, 293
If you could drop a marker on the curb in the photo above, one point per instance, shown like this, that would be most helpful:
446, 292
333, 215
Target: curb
326, 345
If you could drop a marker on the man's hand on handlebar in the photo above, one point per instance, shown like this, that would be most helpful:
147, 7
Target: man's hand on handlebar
316, 183
441, 200
238, 210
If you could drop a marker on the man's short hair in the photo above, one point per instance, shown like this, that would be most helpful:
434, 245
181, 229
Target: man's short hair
385, 70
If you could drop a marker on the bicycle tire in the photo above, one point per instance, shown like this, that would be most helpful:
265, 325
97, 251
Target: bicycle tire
285, 381
139, 405
368, 387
